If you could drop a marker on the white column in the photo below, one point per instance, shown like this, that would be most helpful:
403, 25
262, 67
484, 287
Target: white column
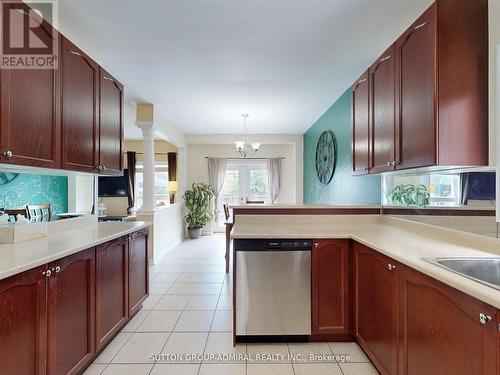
148, 204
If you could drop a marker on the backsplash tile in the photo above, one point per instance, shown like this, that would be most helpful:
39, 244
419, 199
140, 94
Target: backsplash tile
35, 189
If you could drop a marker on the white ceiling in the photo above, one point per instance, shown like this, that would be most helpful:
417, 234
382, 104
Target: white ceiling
204, 62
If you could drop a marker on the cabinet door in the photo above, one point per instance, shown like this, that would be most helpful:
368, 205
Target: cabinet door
375, 307
111, 289
138, 277
79, 112
330, 287
360, 126
382, 112
29, 120
111, 124
71, 321
416, 93
440, 329
23, 323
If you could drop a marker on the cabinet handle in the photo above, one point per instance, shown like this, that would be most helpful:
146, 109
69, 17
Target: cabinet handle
390, 267
316, 245
109, 79
7, 154
385, 58
420, 26
58, 269
389, 163
47, 273
362, 80
484, 319
393, 163
75, 53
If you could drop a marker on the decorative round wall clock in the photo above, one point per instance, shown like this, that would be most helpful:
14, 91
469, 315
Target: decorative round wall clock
326, 157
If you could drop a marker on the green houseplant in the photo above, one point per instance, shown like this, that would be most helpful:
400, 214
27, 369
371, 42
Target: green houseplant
410, 195
198, 200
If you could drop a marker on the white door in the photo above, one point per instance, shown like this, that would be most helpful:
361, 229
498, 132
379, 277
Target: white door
244, 181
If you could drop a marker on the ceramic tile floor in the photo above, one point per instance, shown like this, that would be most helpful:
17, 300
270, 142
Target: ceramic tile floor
189, 312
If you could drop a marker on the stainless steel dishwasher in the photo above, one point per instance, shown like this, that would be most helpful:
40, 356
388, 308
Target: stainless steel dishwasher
273, 287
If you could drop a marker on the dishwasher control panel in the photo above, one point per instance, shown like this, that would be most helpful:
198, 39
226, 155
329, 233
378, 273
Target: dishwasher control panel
276, 245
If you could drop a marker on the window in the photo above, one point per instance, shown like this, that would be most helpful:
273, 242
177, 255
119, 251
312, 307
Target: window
244, 181
443, 189
162, 195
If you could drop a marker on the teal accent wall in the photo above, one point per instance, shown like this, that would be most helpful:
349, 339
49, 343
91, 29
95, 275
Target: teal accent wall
35, 189
344, 188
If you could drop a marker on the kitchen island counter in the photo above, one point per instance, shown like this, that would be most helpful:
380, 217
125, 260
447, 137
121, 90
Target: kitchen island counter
405, 241
22, 256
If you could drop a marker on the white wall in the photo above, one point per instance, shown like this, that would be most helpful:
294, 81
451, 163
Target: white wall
288, 146
167, 230
80, 193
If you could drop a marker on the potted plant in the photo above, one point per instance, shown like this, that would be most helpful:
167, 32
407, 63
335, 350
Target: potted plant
408, 195
198, 200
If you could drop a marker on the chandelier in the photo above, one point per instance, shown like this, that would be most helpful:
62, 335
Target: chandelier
242, 146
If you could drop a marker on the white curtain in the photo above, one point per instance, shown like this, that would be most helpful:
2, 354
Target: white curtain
274, 177
216, 174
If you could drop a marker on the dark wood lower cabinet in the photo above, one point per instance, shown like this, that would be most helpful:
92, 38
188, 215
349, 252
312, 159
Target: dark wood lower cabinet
331, 288
138, 286
71, 318
376, 306
57, 318
111, 289
23, 327
440, 331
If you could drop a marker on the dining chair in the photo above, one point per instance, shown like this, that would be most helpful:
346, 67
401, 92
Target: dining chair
226, 211
39, 211
14, 212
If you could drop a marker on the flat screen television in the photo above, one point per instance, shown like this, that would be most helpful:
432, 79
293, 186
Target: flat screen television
113, 186
480, 185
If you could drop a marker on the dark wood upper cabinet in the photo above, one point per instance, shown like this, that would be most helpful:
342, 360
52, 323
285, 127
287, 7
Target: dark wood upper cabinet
29, 120
111, 124
23, 323
382, 107
463, 82
440, 329
71, 322
416, 72
375, 307
79, 109
360, 125
435, 87
66, 118
111, 289
331, 288
138, 270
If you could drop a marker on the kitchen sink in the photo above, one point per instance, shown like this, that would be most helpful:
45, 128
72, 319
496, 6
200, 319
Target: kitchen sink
483, 270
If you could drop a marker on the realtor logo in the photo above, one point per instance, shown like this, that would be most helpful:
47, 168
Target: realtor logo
29, 39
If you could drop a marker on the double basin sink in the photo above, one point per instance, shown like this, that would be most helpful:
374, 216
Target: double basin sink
483, 270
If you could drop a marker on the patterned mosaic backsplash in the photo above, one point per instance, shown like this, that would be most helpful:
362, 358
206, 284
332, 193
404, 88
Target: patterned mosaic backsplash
35, 189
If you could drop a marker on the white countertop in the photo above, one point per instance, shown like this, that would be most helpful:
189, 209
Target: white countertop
405, 241
22, 256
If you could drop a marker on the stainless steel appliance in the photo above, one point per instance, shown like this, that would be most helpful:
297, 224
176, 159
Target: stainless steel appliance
273, 287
